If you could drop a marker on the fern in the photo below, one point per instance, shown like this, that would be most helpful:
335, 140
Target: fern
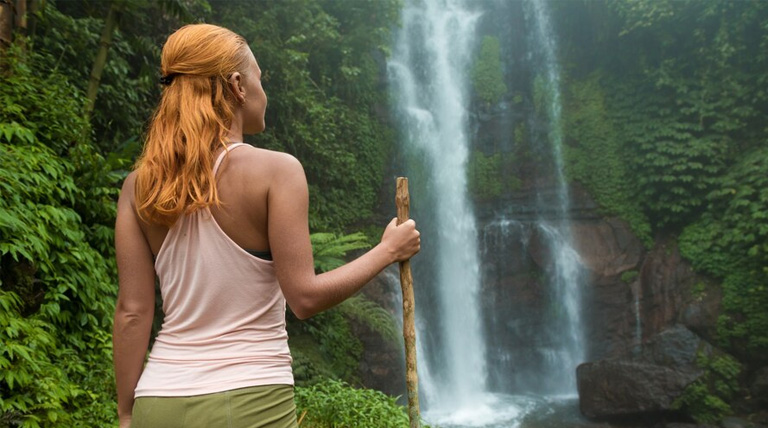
329, 249
371, 314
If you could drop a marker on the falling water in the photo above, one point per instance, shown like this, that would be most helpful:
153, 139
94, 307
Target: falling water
429, 75
429, 72
566, 330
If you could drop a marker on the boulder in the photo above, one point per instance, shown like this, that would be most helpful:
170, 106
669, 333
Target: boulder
616, 389
734, 422
645, 382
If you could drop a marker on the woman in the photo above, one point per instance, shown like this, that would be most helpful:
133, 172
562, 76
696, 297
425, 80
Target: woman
224, 226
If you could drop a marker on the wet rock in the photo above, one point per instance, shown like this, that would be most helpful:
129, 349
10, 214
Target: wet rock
702, 310
665, 282
734, 422
614, 389
607, 248
644, 383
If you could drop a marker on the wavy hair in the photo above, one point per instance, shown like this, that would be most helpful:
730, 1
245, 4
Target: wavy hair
174, 174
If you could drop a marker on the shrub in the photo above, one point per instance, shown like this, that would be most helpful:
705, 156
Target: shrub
332, 404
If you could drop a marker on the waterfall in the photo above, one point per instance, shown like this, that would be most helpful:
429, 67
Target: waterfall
479, 367
429, 71
565, 273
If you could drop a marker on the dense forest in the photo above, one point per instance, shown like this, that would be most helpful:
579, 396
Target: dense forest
79, 82
665, 123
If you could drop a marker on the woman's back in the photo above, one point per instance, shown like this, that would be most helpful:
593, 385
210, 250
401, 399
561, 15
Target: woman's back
224, 325
243, 182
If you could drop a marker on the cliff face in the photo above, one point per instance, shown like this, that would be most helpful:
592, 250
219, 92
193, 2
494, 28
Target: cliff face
629, 293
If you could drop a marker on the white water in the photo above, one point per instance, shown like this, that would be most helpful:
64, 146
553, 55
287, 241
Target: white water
567, 279
429, 71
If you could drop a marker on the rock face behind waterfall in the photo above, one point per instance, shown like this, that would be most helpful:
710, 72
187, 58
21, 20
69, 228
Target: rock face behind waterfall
644, 383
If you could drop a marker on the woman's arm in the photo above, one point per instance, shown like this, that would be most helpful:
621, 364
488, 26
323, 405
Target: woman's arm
305, 292
135, 301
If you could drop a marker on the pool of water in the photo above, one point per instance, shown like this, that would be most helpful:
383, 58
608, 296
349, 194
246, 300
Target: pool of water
514, 411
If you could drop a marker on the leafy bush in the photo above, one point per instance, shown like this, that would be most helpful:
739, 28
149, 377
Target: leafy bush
730, 241
334, 404
596, 156
57, 284
706, 400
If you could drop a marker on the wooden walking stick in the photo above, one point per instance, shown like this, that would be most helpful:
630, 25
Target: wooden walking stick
403, 203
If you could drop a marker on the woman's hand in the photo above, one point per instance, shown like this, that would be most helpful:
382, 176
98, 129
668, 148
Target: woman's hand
402, 241
306, 292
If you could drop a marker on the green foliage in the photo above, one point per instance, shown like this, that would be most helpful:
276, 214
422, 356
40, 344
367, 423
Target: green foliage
487, 73
329, 249
57, 285
334, 404
629, 276
665, 125
704, 407
706, 400
70, 33
703, 113
339, 350
678, 165
325, 93
489, 176
373, 316
484, 175
542, 95
729, 242
597, 157
60, 174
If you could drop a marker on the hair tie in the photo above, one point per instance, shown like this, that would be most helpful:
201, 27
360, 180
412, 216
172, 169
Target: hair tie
166, 80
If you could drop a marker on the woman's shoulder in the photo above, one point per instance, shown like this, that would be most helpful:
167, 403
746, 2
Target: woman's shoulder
268, 161
127, 190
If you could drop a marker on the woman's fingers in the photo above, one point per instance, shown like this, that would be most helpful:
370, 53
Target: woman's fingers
403, 241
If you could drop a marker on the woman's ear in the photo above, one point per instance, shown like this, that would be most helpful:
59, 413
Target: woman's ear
236, 86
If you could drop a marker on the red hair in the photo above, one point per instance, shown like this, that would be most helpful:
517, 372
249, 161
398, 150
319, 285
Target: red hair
174, 174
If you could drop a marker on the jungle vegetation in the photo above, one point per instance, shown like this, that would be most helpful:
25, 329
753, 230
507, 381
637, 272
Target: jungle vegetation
665, 122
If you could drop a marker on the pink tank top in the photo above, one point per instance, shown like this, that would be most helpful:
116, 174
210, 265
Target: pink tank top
224, 324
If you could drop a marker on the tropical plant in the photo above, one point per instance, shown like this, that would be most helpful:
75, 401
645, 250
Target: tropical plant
334, 404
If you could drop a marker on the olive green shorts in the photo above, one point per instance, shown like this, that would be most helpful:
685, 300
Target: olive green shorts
267, 406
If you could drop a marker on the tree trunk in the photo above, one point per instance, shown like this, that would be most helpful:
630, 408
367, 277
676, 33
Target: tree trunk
101, 57
21, 16
7, 11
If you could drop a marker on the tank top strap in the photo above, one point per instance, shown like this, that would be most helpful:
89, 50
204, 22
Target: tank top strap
223, 153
